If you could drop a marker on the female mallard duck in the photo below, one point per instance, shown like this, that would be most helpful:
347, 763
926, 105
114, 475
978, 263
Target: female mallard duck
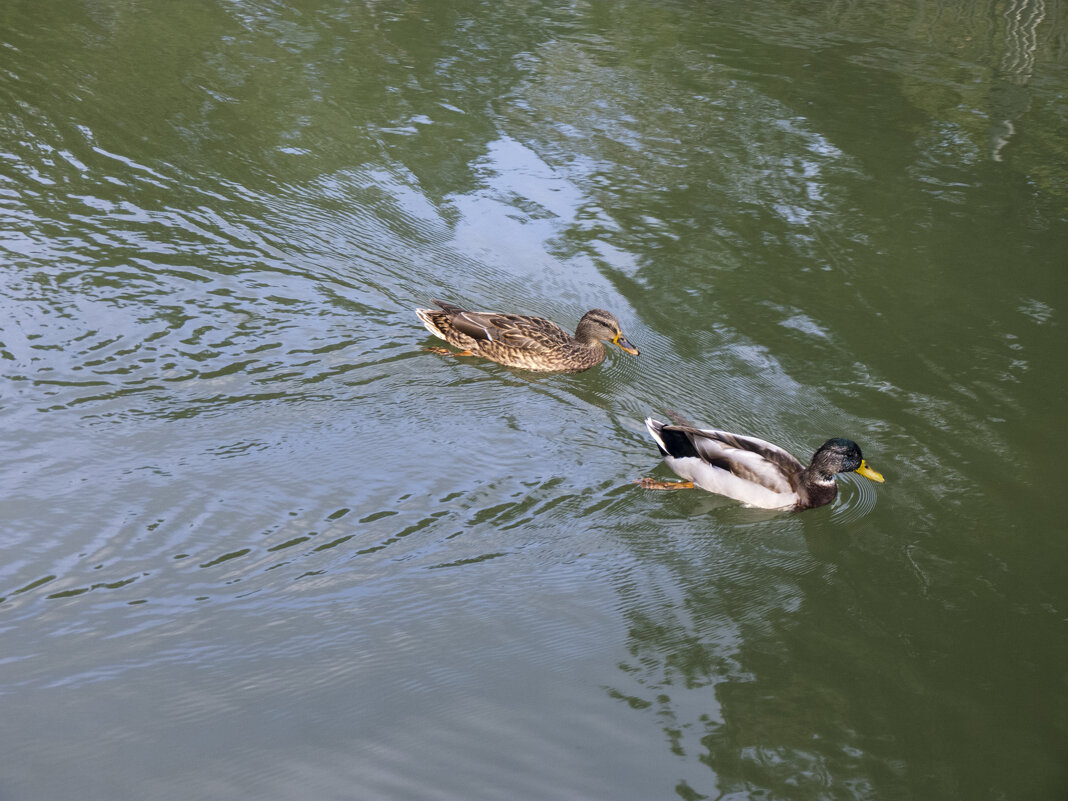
531, 343
750, 470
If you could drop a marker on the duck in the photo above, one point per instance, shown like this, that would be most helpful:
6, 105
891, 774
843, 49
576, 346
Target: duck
529, 343
751, 470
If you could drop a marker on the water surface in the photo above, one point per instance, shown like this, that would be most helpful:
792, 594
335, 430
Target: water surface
261, 544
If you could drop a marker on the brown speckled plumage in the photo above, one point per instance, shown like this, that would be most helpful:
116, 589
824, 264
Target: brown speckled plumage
529, 343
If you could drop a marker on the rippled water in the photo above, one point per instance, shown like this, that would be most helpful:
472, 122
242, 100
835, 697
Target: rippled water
261, 543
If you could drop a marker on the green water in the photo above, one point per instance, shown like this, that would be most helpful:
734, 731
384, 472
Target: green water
258, 543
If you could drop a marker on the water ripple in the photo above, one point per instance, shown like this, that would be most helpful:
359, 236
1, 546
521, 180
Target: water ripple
856, 499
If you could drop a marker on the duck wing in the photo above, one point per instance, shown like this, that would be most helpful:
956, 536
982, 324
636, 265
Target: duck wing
748, 458
511, 330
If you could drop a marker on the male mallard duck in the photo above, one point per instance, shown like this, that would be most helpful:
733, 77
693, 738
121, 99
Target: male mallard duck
750, 470
532, 343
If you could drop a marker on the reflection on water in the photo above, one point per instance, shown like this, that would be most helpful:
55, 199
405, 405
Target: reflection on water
252, 527
1009, 98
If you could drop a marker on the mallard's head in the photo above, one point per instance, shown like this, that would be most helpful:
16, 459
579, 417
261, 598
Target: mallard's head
840, 455
599, 325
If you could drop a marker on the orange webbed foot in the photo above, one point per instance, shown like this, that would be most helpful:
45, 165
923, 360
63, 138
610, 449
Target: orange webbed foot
653, 484
447, 352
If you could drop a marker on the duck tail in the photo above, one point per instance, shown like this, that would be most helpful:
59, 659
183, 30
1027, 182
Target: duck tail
672, 441
655, 431
450, 308
427, 316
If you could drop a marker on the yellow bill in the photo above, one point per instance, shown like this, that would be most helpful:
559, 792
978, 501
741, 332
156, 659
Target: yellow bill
867, 472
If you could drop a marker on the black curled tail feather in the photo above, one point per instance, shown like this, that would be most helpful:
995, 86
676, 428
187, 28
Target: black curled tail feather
678, 444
